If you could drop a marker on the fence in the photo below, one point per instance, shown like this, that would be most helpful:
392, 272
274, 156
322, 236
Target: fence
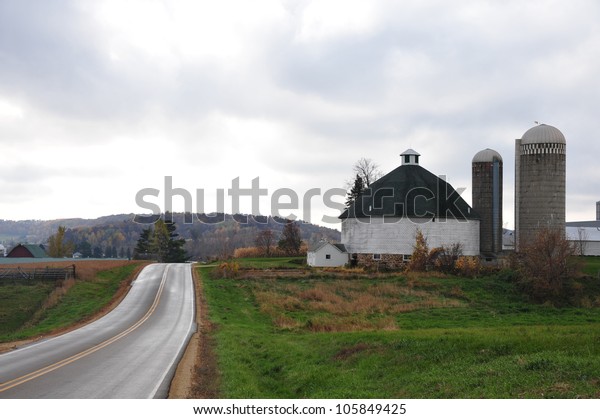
39, 274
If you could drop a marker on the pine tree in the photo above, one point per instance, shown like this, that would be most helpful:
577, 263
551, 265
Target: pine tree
175, 251
143, 247
356, 190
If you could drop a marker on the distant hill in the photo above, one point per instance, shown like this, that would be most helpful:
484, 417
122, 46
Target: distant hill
116, 235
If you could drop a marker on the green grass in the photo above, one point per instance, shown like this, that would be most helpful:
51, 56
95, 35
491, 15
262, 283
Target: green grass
82, 300
494, 345
20, 302
271, 263
591, 265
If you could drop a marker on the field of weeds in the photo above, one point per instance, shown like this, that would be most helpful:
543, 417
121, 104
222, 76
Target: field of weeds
343, 305
347, 334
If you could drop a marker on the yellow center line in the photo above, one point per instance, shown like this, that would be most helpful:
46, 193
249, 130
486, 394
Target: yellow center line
35, 374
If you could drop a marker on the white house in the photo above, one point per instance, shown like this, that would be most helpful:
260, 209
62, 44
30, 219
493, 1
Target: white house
328, 254
379, 227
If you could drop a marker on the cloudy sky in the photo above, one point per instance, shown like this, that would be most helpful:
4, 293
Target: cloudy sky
101, 99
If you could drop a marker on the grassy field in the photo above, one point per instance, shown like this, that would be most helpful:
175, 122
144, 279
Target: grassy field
347, 336
30, 309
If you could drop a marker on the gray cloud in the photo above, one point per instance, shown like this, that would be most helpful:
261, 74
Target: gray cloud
446, 78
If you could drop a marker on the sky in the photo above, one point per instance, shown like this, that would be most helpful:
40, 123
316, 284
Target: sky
103, 100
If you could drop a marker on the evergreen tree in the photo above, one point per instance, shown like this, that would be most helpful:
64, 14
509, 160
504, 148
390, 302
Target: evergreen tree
175, 251
165, 244
85, 248
97, 252
356, 190
143, 247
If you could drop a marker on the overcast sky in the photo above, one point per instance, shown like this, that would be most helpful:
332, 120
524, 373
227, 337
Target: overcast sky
100, 99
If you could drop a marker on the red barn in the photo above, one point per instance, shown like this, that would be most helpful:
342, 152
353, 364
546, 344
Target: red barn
27, 251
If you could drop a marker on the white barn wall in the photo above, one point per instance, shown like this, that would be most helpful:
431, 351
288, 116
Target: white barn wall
397, 236
592, 249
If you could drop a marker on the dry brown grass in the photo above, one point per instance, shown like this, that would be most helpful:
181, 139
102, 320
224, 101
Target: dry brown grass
343, 305
85, 270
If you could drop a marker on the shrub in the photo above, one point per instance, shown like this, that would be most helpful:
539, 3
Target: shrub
227, 270
444, 258
420, 255
547, 266
468, 266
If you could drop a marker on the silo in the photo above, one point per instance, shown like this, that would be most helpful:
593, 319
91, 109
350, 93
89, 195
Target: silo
540, 175
598, 211
487, 199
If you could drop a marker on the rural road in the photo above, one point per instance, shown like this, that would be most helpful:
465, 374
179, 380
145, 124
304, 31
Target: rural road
131, 353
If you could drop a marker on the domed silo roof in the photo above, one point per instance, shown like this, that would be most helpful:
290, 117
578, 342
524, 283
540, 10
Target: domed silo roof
487, 156
543, 134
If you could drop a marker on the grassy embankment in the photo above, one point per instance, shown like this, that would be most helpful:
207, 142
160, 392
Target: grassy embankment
30, 309
355, 335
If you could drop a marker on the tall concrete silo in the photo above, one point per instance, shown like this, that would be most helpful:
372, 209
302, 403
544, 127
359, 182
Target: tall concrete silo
487, 199
540, 178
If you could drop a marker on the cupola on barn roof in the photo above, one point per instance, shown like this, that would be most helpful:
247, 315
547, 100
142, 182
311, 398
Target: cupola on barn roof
543, 133
410, 156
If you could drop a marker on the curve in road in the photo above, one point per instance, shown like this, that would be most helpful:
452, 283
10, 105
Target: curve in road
131, 352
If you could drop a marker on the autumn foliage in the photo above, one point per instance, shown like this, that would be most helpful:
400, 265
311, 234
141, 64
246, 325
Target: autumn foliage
546, 265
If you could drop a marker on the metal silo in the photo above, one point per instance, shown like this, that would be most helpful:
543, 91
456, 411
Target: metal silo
487, 199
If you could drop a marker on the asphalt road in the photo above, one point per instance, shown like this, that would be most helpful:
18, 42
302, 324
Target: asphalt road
131, 353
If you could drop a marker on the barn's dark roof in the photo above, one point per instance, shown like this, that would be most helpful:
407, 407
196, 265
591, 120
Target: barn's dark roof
410, 191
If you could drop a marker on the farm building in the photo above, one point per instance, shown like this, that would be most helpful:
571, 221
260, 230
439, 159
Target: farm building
585, 236
27, 251
379, 227
328, 254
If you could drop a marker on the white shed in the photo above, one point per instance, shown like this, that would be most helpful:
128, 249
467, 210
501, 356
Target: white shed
328, 254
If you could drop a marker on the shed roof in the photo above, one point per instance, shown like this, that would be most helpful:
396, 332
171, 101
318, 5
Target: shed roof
410, 191
338, 246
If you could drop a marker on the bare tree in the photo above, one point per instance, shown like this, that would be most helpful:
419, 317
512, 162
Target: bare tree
224, 247
265, 240
581, 243
367, 170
